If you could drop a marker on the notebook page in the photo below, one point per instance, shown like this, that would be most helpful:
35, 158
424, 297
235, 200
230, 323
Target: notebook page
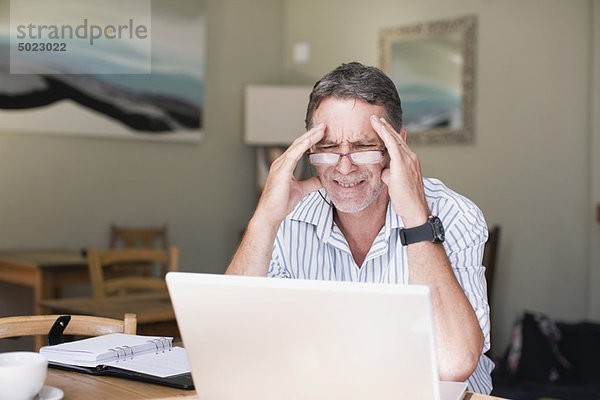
97, 350
161, 364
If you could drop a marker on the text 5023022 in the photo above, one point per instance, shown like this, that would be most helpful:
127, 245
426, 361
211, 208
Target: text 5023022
42, 46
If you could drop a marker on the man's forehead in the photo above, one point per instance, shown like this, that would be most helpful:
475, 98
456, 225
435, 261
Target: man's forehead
347, 120
354, 138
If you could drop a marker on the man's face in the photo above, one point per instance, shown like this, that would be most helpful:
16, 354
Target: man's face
352, 188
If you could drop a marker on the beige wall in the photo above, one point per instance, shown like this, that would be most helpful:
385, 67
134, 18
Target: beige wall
528, 169
594, 277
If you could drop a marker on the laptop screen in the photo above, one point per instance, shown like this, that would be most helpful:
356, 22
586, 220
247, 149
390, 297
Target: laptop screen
267, 338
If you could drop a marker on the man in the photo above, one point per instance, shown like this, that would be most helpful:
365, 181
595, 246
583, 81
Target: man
370, 216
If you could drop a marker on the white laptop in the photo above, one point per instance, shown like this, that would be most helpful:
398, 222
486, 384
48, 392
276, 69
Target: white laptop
261, 338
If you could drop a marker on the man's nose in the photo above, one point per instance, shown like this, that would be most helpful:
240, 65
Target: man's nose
345, 166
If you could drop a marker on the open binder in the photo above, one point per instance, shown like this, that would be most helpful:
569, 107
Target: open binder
147, 358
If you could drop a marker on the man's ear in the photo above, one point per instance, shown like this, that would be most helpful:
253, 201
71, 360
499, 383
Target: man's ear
403, 133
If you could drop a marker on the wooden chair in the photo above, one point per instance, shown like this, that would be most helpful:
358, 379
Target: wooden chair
121, 236
80, 325
129, 259
490, 255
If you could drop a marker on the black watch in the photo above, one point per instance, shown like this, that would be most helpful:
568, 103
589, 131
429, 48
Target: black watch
430, 231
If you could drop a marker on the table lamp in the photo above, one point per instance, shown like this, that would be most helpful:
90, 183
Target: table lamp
273, 119
274, 114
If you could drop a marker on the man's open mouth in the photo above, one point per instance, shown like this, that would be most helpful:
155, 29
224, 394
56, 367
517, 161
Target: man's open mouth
349, 184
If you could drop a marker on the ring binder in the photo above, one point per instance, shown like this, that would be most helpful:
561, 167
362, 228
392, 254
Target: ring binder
169, 344
130, 349
116, 352
164, 344
124, 349
155, 360
124, 352
155, 344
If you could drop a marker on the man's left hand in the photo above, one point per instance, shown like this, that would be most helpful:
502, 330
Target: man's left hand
403, 176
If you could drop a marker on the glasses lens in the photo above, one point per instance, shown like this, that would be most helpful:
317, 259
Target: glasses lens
323, 158
358, 158
366, 157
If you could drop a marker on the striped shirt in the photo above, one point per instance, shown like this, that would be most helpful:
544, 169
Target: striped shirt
309, 245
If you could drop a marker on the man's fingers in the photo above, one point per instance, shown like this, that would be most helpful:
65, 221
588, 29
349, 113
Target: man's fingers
306, 141
394, 142
385, 132
396, 135
289, 159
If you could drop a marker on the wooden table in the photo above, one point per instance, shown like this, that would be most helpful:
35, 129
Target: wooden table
78, 386
155, 315
44, 270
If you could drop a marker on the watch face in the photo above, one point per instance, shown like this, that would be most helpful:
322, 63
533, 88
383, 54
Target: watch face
438, 230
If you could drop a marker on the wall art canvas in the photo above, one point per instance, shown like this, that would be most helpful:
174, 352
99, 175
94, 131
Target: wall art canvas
106, 83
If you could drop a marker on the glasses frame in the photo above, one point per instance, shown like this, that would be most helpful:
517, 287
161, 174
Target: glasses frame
341, 155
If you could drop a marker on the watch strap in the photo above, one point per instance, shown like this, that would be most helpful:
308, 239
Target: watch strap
422, 233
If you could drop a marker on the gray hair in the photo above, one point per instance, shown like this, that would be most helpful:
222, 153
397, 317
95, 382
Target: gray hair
356, 81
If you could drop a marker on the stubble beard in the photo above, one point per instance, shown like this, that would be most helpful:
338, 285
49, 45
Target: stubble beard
355, 205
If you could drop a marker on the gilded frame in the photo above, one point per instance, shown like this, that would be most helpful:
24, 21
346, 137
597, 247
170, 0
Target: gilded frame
433, 67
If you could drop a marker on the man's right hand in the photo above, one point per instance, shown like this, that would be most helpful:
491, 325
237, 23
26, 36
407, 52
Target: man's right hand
281, 194
282, 191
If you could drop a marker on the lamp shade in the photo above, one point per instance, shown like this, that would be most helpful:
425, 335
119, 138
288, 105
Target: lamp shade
274, 114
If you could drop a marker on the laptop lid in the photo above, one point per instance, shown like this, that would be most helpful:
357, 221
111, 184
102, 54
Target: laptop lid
267, 338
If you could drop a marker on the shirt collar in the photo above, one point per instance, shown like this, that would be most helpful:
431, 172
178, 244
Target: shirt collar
315, 210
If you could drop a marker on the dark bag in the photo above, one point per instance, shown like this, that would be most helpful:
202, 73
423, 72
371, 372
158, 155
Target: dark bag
534, 353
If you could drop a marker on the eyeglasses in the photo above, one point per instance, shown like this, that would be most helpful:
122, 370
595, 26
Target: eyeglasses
363, 157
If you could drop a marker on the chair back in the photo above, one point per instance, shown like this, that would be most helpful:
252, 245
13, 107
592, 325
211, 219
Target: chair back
121, 236
80, 325
129, 278
490, 255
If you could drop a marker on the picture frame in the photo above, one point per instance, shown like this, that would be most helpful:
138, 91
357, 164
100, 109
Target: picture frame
432, 65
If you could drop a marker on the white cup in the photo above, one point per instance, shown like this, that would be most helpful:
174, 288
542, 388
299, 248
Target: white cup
22, 374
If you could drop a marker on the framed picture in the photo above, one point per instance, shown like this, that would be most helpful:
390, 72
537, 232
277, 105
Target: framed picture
113, 69
433, 67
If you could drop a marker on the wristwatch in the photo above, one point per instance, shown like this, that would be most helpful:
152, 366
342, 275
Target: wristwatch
430, 231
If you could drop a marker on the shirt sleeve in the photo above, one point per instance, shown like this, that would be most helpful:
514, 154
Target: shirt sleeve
277, 267
466, 234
